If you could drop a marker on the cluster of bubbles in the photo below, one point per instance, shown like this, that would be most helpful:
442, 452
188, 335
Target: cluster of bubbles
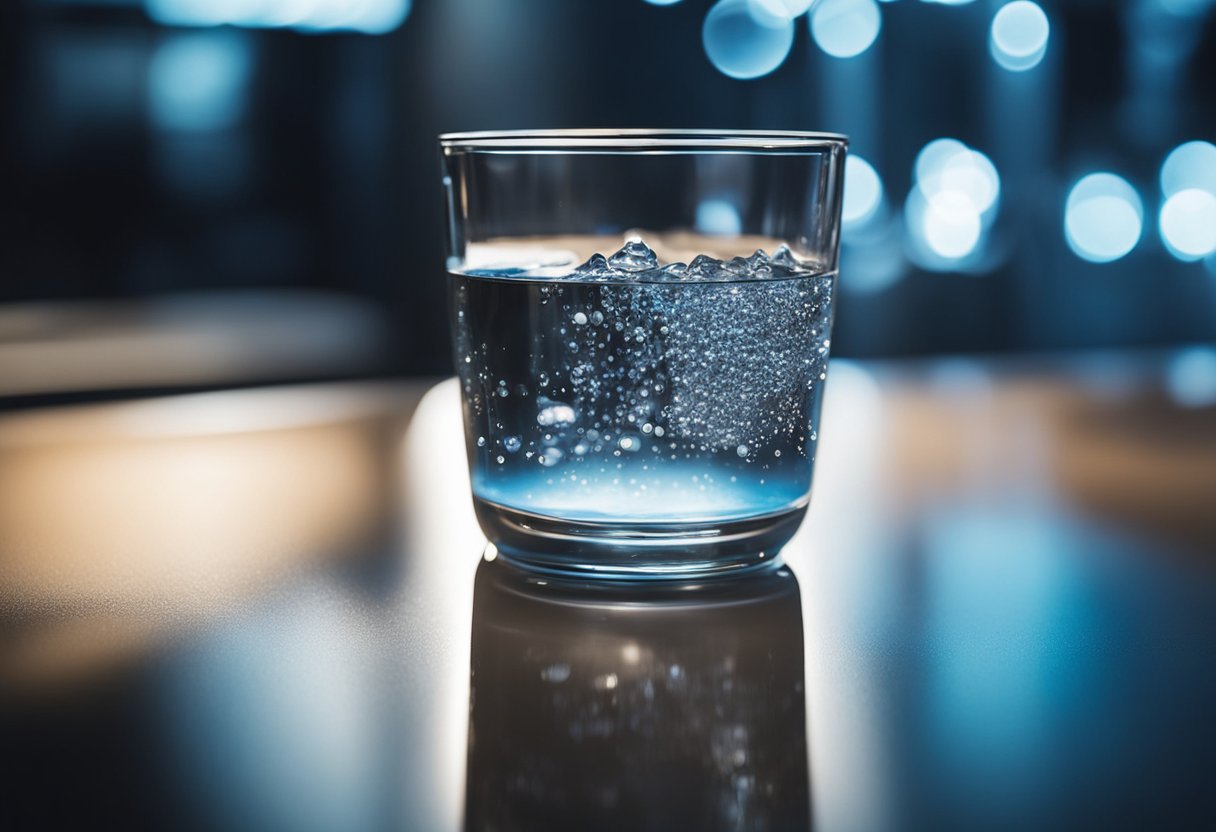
728, 366
630, 360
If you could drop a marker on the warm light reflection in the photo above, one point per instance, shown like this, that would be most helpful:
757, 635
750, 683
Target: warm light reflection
178, 506
188, 339
443, 546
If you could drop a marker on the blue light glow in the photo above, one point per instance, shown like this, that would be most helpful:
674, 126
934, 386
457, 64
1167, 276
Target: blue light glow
795, 8
373, 17
1185, 8
862, 192
718, 216
952, 225
1103, 218
944, 232
1188, 224
871, 256
1191, 377
1190, 165
747, 38
845, 28
198, 82
662, 2
949, 166
1018, 40
934, 156
953, 202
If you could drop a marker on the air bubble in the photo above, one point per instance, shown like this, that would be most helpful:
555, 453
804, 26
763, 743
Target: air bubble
580, 318
742, 450
556, 415
512, 443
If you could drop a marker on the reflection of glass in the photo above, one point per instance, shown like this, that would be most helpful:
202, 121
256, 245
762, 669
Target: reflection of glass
590, 710
642, 325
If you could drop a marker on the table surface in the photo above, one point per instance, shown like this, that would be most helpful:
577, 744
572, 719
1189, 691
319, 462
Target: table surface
269, 609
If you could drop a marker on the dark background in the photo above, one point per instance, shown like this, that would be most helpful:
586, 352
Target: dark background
142, 161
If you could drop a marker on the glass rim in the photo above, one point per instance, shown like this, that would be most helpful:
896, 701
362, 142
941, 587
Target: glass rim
642, 140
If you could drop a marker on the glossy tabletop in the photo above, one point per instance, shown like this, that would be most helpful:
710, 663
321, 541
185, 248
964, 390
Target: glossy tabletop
272, 610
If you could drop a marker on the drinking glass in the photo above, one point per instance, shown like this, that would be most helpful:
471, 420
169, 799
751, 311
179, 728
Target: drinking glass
641, 325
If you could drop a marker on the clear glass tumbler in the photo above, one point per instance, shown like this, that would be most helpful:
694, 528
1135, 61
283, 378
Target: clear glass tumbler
641, 324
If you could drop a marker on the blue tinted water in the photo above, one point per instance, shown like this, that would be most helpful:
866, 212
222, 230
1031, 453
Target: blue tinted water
632, 394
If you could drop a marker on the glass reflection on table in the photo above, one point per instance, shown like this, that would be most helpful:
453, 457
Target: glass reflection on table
610, 705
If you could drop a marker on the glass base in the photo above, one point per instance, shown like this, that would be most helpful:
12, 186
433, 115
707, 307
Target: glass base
638, 551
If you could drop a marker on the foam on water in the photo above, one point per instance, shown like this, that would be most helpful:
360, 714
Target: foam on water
636, 262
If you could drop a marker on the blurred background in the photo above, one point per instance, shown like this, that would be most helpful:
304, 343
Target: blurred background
239, 570
204, 192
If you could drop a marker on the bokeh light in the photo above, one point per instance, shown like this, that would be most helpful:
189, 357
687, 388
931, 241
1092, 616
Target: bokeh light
747, 38
372, 17
1190, 165
795, 8
1019, 35
1185, 8
1103, 218
1191, 377
1188, 224
954, 200
845, 28
952, 225
944, 234
935, 155
718, 216
949, 166
862, 191
197, 81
